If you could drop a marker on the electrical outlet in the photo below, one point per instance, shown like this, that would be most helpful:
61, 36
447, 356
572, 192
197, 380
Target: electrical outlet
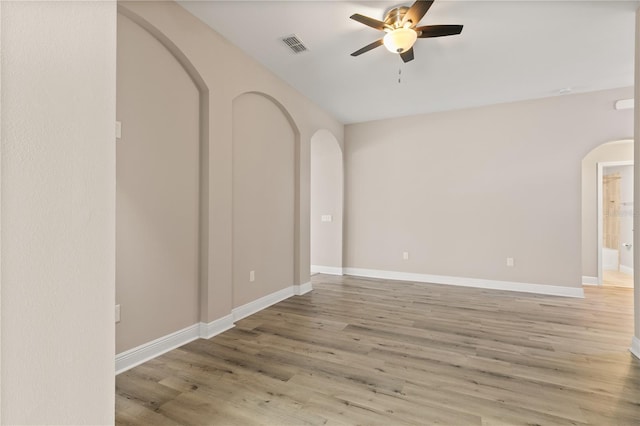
510, 261
117, 314
405, 255
326, 218
252, 276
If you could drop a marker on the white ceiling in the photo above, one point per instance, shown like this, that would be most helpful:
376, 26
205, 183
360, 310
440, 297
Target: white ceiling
508, 51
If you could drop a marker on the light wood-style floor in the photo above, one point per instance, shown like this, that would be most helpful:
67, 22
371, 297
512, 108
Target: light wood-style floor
617, 279
377, 352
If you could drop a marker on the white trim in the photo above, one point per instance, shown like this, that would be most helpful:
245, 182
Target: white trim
469, 282
635, 347
215, 327
143, 353
262, 303
133, 357
626, 270
599, 219
301, 289
589, 280
329, 270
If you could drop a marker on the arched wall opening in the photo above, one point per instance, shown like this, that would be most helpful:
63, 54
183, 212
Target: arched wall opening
162, 181
219, 302
265, 198
607, 153
327, 203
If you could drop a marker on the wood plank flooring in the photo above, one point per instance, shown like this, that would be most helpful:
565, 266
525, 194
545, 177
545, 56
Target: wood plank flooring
378, 352
617, 279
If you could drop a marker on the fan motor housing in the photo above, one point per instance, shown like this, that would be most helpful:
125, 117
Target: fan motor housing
394, 16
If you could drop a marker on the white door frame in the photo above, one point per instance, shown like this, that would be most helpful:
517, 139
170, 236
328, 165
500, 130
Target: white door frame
601, 166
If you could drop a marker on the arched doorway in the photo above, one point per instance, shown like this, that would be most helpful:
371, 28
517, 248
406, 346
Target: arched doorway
326, 197
607, 249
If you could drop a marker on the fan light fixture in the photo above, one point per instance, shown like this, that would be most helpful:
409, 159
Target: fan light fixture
402, 30
400, 40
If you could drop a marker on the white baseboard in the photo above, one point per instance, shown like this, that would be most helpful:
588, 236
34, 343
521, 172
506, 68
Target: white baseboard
329, 270
133, 357
635, 347
147, 351
626, 270
264, 302
469, 282
207, 331
301, 289
586, 280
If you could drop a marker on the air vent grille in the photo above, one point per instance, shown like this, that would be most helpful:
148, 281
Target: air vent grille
294, 43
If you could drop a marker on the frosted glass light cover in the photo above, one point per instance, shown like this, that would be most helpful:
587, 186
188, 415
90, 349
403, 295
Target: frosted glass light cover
400, 40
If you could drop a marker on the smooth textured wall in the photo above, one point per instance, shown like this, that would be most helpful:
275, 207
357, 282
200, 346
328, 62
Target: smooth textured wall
462, 191
0, 218
157, 190
611, 151
58, 210
263, 198
635, 342
327, 185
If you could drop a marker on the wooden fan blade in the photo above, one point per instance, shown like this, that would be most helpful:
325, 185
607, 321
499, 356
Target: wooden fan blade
367, 48
417, 11
438, 30
373, 23
407, 56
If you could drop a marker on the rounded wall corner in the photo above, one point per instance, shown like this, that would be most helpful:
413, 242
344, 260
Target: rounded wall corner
281, 107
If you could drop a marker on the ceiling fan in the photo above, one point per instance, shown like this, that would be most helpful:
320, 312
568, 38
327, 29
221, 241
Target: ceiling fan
400, 25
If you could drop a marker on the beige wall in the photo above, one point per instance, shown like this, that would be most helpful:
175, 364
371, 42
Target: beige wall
464, 190
612, 151
1, 131
58, 210
157, 192
226, 73
636, 194
263, 198
326, 199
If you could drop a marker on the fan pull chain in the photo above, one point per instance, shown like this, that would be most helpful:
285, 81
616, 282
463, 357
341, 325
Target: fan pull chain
400, 75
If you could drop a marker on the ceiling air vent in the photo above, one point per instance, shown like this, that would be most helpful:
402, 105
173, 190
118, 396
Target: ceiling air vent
294, 43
